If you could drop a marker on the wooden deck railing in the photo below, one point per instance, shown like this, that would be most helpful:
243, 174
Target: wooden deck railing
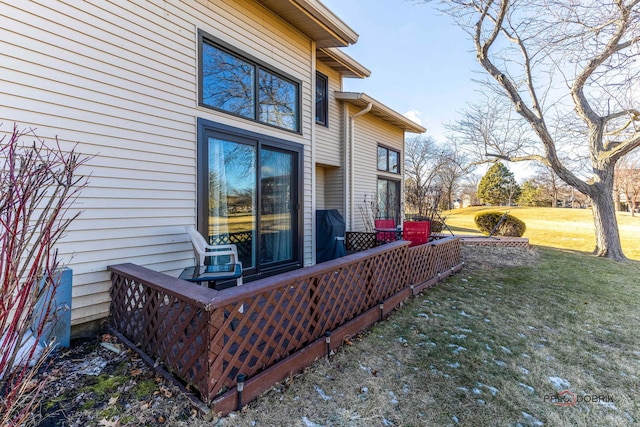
273, 327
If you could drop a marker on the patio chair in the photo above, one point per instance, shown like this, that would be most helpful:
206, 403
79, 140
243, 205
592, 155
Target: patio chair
417, 232
385, 230
224, 262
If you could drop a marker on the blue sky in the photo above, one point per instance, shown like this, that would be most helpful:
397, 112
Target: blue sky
419, 60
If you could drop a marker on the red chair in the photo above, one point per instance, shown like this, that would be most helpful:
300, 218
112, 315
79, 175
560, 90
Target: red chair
385, 230
417, 232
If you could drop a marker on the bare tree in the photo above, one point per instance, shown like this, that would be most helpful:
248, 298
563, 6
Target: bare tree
423, 161
628, 180
455, 166
469, 189
569, 69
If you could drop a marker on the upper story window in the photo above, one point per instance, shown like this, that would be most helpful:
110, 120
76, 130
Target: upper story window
322, 99
388, 160
242, 86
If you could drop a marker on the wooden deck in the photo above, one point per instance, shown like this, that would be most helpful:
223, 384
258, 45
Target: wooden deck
272, 328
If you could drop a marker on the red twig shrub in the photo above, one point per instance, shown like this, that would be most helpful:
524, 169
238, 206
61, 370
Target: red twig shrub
38, 183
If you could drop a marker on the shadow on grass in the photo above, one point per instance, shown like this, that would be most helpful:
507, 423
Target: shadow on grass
462, 230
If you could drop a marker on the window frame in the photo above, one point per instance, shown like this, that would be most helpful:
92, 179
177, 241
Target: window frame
207, 128
398, 202
325, 100
206, 38
388, 150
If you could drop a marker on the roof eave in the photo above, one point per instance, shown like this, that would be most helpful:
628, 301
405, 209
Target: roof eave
381, 111
342, 63
315, 20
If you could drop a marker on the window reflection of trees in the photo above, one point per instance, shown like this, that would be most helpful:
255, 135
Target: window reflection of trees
227, 82
277, 101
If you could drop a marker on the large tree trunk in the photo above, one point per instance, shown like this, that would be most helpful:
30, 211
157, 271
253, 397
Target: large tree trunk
604, 217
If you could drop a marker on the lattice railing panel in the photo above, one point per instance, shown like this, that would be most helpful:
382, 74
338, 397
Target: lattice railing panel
423, 263
357, 241
164, 326
261, 328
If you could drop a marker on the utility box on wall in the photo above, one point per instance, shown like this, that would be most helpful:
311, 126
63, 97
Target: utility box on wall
58, 324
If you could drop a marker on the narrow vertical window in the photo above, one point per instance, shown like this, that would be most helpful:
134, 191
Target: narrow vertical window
322, 100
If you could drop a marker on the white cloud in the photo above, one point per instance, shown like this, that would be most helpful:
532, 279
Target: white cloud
414, 116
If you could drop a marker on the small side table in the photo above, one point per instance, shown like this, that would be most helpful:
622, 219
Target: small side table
208, 275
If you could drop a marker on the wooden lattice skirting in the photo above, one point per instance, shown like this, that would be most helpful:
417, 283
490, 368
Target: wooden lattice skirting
270, 328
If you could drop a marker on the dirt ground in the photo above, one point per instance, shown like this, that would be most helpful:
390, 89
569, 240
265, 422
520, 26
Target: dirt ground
99, 382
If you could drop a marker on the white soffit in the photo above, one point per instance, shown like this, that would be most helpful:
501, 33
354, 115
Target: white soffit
315, 20
380, 110
342, 63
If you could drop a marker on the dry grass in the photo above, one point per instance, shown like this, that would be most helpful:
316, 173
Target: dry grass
554, 227
483, 348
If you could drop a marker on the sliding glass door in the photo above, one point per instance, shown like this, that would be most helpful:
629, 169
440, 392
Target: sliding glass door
249, 193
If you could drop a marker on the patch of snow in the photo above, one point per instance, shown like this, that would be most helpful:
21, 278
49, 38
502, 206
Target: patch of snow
538, 346
458, 348
459, 336
629, 417
527, 387
476, 390
364, 368
455, 419
531, 420
521, 335
455, 365
525, 355
364, 390
481, 402
500, 363
487, 320
559, 383
468, 331
322, 394
493, 390
549, 358
463, 314
394, 399
402, 340
386, 422
425, 315
438, 315
523, 370
462, 389
609, 405
307, 422
505, 349
488, 347
464, 280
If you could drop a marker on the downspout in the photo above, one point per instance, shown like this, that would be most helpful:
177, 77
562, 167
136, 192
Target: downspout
352, 162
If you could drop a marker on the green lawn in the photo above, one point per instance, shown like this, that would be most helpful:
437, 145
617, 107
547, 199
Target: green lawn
554, 227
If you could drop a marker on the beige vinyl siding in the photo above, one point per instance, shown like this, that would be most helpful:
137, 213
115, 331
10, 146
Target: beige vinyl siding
320, 187
329, 140
120, 79
369, 132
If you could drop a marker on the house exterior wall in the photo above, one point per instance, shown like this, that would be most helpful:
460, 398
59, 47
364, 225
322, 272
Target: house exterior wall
330, 146
120, 79
329, 139
371, 131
